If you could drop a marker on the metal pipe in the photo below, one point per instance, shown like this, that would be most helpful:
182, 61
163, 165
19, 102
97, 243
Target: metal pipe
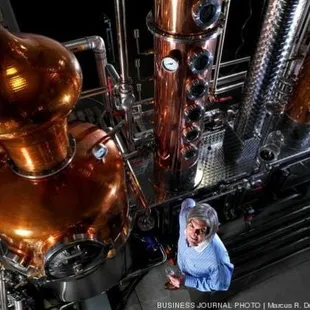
113, 73
277, 34
93, 92
302, 29
148, 101
96, 44
231, 78
67, 305
229, 88
3, 292
125, 88
233, 62
18, 305
127, 104
120, 16
133, 180
304, 24
220, 47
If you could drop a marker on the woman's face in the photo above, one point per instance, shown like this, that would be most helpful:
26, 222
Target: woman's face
196, 231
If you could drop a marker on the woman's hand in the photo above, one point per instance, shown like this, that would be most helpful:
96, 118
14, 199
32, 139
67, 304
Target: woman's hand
177, 280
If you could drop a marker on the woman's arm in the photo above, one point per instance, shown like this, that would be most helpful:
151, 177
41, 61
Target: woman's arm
186, 205
218, 279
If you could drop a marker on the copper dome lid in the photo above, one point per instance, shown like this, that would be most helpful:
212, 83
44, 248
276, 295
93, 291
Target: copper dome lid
40, 81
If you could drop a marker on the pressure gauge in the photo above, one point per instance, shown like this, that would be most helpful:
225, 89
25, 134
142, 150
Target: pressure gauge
170, 64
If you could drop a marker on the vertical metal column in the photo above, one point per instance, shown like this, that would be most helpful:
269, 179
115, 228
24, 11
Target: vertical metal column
3, 293
125, 88
277, 34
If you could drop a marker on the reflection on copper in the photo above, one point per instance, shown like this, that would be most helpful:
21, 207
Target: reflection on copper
175, 16
176, 158
298, 109
171, 101
40, 82
38, 213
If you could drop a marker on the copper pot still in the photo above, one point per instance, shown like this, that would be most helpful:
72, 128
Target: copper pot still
298, 109
295, 122
63, 199
185, 38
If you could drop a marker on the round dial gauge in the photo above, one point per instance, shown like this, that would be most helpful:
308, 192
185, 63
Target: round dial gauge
170, 64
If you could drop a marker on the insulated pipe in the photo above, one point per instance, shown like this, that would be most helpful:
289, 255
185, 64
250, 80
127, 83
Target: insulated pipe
277, 34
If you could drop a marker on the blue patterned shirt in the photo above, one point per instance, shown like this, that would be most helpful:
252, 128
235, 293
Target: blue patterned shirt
206, 271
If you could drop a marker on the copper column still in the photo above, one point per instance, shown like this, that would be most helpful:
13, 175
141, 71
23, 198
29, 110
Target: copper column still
63, 200
295, 123
185, 36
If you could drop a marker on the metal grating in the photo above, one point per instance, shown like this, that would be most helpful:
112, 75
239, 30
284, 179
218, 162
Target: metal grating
217, 168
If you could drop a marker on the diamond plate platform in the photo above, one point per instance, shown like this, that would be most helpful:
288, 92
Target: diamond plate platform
217, 166
214, 166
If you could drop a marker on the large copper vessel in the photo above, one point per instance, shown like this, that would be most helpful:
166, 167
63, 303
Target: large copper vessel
185, 36
295, 123
298, 109
63, 200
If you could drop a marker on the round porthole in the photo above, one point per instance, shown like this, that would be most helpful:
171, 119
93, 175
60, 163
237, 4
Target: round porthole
194, 113
200, 61
206, 12
190, 152
191, 134
197, 89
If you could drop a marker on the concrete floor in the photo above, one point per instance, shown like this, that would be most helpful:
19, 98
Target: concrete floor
286, 286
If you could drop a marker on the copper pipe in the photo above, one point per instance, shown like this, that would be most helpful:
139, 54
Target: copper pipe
37, 94
298, 109
97, 45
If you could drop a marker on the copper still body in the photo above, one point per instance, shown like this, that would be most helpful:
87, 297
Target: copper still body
298, 109
63, 196
185, 37
295, 123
